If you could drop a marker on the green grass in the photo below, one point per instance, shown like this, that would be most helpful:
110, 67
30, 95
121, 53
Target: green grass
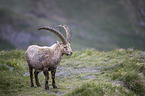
99, 89
87, 72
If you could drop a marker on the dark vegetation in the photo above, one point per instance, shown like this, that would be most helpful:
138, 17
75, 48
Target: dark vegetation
86, 73
98, 24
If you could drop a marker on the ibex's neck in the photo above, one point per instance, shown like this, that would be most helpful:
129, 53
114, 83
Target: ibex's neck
56, 50
55, 47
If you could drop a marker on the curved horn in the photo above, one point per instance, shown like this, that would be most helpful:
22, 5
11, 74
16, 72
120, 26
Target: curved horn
51, 29
67, 32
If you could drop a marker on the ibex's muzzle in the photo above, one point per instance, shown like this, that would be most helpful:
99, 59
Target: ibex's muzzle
69, 54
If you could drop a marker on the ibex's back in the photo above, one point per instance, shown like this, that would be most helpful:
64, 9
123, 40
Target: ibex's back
47, 58
40, 57
33, 55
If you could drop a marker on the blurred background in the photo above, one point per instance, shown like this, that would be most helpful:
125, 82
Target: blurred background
98, 24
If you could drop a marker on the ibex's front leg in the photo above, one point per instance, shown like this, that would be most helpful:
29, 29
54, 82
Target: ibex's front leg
36, 78
45, 72
53, 78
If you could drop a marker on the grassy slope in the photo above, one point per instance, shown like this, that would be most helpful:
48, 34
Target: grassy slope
90, 72
106, 24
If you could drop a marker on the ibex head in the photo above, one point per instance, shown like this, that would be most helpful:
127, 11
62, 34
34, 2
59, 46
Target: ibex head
65, 44
66, 49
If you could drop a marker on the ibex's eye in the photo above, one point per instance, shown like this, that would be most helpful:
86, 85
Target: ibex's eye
65, 48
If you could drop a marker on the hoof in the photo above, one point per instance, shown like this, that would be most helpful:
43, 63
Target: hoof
55, 86
38, 85
32, 85
46, 88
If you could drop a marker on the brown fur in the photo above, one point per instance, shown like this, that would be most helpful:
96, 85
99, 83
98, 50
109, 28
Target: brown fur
46, 59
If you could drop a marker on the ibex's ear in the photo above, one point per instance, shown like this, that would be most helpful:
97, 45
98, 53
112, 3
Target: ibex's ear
57, 42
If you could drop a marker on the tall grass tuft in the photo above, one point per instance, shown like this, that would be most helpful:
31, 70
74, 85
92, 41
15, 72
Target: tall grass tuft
135, 82
99, 89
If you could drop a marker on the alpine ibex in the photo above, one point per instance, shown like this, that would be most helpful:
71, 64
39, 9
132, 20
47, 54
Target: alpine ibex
48, 58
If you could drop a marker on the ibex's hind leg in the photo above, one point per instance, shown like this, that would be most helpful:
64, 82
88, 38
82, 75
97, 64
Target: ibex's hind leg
31, 76
45, 72
53, 78
36, 78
